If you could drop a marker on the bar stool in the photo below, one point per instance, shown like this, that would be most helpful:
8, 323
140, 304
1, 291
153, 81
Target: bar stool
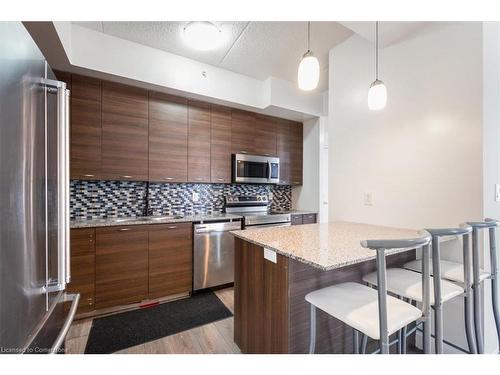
405, 283
457, 273
373, 312
479, 277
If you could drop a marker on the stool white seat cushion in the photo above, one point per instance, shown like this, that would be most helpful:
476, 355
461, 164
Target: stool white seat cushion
452, 271
357, 306
408, 284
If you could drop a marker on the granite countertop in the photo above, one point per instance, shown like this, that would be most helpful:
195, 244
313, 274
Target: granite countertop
91, 223
325, 246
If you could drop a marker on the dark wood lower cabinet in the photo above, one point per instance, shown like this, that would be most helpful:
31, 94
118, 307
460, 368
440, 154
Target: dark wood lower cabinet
271, 314
121, 265
170, 259
299, 219
115, 266
83, 267
260, 301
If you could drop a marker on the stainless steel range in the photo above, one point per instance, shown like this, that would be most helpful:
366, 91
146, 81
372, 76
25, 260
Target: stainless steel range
255, 211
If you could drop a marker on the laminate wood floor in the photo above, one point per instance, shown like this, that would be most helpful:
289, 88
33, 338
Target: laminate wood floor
212, 338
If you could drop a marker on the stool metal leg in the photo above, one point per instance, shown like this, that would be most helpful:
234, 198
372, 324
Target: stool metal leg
364, 340
438, 306
400, 341
355, 341
469, 329
382, 301
468, 306
426, 306
312, 332
477, 292
403, 344
494, 280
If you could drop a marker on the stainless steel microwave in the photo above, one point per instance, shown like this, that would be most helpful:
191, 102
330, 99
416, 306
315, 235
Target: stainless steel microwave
255, 169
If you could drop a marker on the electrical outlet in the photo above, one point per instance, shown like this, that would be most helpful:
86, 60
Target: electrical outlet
270, 196
196, 196
497, 192
368, 199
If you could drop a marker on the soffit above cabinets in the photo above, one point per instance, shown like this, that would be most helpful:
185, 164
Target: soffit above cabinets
255, 49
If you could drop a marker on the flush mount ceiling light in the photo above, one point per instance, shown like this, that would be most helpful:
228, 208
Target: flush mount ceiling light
377, 94
203, 35
308, 73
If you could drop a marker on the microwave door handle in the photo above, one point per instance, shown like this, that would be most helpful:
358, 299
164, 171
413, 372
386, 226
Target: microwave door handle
268, 170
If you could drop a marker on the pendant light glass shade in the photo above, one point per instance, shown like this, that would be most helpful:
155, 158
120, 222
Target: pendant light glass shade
377, 96
308, 73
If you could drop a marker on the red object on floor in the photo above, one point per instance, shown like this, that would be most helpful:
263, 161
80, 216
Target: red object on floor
151, 304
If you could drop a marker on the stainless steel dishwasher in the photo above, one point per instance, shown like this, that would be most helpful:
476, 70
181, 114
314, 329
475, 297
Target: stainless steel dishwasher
213, 255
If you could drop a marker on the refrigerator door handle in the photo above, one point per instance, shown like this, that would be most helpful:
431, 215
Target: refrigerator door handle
66, 94
74, 298
63, 184
63, 251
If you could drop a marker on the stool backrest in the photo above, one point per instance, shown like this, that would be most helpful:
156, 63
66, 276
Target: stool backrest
380, 246
463, 231
493, 247
491, 225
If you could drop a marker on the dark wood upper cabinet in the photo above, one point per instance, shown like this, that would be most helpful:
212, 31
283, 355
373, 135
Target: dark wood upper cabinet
85, 128
120, 132
296, 153
198, 142
242, 132
121, 265
168, 138
220, 145
283, 150
289, 150
83, 267
170, 259
124, 132
265, 136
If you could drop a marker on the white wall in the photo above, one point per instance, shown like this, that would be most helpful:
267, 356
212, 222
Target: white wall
306, 197
421, 157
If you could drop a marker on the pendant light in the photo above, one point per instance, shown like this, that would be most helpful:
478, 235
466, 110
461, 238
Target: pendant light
377, 94
308, 73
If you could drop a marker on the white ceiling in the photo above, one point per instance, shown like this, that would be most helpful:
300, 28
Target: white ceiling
255, 49
389, 32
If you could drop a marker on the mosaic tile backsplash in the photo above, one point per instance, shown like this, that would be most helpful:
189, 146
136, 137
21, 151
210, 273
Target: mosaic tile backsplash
104, 199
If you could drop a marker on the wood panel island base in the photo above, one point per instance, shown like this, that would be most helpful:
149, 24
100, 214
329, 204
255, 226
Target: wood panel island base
270, 312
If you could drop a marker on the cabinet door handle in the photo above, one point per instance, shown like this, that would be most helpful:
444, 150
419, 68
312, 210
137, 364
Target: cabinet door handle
172, 227
127, 176
220, 179
243, 152
168, 178
88, 175
123, 229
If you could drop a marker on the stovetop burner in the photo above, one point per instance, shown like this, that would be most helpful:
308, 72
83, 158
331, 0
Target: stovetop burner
255, 210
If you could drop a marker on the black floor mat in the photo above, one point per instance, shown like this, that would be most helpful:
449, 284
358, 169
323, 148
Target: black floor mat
120, 331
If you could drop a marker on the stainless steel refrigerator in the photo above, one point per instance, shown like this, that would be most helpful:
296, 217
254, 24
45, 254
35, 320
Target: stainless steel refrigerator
35, 310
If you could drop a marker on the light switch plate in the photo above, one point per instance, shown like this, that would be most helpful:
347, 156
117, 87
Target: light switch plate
270, 255
497, 192
368, 199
